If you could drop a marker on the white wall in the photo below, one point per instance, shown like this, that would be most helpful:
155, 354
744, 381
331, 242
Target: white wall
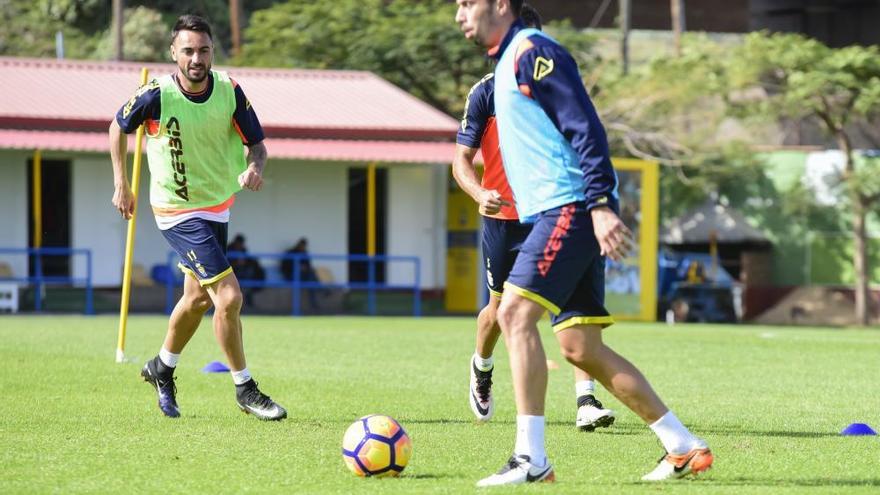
417, 222
96, 225
14, 208
299, 199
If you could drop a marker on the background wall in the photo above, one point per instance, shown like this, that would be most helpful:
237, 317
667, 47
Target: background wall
299, 199
13, 208
417, 222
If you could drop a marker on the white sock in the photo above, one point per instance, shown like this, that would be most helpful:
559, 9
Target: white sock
676, 439
530, 439
240, 377
584, 387
168, 359
483, 364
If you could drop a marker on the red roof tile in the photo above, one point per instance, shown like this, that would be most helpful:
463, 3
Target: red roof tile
46, 93
297, 149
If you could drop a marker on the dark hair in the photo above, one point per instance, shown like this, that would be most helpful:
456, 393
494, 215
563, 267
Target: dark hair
516, 6
191, 22
530, 16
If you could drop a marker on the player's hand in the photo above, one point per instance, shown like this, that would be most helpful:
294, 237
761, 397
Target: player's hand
251, 179
123, 200
490, 202
615, 240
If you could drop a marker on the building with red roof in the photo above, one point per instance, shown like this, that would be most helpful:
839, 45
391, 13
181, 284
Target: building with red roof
323, 128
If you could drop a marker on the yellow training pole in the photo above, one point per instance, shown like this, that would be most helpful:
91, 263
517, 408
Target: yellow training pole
129, 238
648, 234
37, 197
371, 209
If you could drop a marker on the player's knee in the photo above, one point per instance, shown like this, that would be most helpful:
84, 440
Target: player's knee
578, 355
489, 315
512, 317
229, 302
506, 317
198, 303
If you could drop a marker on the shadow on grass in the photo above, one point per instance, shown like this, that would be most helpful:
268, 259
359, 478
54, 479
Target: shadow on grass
814, 482
768, 482
627, 428
425, 476
723, 430
441, 421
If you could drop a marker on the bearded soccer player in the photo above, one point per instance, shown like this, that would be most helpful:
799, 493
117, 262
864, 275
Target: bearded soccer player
196, 121
556, 158
503, 234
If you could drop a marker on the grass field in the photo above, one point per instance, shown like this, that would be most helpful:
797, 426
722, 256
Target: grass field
770, 401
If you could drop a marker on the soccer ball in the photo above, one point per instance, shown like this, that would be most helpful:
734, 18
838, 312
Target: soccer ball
376, 445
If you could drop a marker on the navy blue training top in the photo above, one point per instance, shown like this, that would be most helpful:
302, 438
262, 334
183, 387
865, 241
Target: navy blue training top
145, 106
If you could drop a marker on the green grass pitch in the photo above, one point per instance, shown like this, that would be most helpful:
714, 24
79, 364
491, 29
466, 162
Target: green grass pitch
770, 401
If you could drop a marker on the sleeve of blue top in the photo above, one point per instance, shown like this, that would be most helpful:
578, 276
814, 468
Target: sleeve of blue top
477, 110
143, 105
246, 119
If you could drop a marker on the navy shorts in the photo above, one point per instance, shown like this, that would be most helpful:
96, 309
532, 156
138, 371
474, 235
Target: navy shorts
201, 245
560, 268
501, 242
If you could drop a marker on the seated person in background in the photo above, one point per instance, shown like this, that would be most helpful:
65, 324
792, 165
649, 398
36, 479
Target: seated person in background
245, 267
306, 270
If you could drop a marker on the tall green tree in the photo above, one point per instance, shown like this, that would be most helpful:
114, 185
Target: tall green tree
838, 88
673, 110
28, 28
415, 44
143, 42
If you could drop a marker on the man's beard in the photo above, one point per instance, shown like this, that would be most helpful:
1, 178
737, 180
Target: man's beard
190, 78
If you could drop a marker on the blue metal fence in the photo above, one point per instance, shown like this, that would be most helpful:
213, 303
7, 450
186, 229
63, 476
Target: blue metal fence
296, 283
38, 280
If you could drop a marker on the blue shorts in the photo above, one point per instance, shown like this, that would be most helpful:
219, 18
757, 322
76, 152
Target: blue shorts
201, 245
501, 242
560, 268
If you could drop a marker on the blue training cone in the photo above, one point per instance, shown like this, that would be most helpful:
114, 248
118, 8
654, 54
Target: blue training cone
858, 429
215, 367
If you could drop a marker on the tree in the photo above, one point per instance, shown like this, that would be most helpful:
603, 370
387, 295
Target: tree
143, 42
28, 28
414, 44
838, 88
677, 11
673, 110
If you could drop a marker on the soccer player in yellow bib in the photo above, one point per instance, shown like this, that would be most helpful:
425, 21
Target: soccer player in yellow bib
196, 122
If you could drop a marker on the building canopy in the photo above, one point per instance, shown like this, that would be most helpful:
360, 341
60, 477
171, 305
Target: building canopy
306, 114
698, 226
